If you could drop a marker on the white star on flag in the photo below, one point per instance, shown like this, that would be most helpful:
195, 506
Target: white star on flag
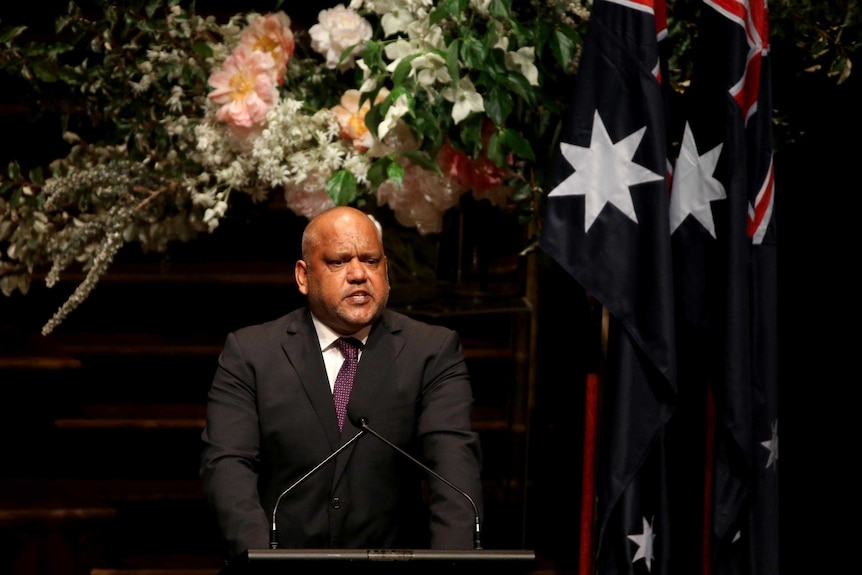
772, 445
644, 542
604, 172
694, 185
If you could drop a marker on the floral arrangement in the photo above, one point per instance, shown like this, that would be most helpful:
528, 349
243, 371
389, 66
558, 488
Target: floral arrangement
401, 106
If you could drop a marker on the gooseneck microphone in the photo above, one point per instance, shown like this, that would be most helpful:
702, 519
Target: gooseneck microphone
356, 418
273, 533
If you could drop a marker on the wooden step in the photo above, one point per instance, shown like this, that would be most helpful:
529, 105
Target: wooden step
51, 517
154, 571
96, 494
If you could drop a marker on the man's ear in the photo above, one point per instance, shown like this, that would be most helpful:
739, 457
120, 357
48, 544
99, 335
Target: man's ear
300, 272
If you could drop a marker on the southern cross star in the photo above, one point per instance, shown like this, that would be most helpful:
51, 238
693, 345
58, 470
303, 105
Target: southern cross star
772, 445
694, 185
604, 172
645, 545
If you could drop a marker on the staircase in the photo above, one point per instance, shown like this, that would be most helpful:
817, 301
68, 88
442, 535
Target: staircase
100, 421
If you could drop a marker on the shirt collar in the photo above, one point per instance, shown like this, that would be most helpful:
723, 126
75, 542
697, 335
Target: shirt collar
326, 336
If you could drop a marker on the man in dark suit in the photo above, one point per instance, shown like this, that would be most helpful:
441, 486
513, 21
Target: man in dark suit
271, 416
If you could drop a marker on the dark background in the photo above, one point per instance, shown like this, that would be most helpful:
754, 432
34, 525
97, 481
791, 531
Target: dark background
817, 189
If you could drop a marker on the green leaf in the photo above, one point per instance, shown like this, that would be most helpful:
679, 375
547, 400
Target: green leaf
495, 150
341, 187
521, 192
36, 176
431, 125
373, 118
447, 8
372, 55
563, 46
500, 9
471, 134
422, 160
402, 71
517, 83
378, 170
15, 200
202, 49
395, 173
7, 34
14, 170
518, 144
152, 6
498, 105
44, 71
452, 63
473, 53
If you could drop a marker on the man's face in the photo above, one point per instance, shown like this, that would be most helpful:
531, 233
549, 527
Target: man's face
344, 275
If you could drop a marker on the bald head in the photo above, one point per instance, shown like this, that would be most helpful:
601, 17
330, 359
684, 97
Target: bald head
343, 270
343, 217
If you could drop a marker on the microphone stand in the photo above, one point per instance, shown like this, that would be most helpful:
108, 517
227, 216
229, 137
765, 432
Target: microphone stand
477, 538
273, 534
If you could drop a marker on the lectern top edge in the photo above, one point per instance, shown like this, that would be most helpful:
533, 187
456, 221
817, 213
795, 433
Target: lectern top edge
390, 555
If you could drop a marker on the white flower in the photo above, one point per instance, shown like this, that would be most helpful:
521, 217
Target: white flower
369, 83
143, 85
398, 108
432, 37
501, 41
465, 99
480, 6
214, 214
430, 69
175, 102
522, 61
397, 15
337, 30
398, 50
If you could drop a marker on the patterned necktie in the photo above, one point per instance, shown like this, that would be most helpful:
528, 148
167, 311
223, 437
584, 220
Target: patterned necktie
349, 348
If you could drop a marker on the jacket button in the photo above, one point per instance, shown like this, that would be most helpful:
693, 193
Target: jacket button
336, 502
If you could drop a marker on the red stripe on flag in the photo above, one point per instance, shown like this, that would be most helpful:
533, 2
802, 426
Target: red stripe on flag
709, 450
642, 5
757, 220
732, 9
585, 558
746, 93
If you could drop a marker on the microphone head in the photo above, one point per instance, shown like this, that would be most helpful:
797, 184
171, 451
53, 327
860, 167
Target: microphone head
357, 413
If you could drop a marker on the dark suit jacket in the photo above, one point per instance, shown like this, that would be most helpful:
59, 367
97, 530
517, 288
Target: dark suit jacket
271, 419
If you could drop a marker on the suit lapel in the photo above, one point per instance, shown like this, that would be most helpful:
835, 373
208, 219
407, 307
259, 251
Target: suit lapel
302, 348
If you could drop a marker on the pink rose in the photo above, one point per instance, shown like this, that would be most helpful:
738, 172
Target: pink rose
272, 34
308, 198
245, 86
422, 200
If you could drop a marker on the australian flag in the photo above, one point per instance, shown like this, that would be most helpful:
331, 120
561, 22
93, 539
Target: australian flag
724, 241
607, 223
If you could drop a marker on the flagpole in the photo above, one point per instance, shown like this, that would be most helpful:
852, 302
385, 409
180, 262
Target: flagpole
588, 490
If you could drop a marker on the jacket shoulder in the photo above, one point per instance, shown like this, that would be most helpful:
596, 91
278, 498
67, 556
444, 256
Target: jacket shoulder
288, 323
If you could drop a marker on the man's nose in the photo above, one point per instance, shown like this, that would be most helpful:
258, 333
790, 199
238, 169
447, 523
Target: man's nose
355, 270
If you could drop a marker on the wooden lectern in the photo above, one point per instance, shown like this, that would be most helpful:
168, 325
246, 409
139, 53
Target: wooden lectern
387, 561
